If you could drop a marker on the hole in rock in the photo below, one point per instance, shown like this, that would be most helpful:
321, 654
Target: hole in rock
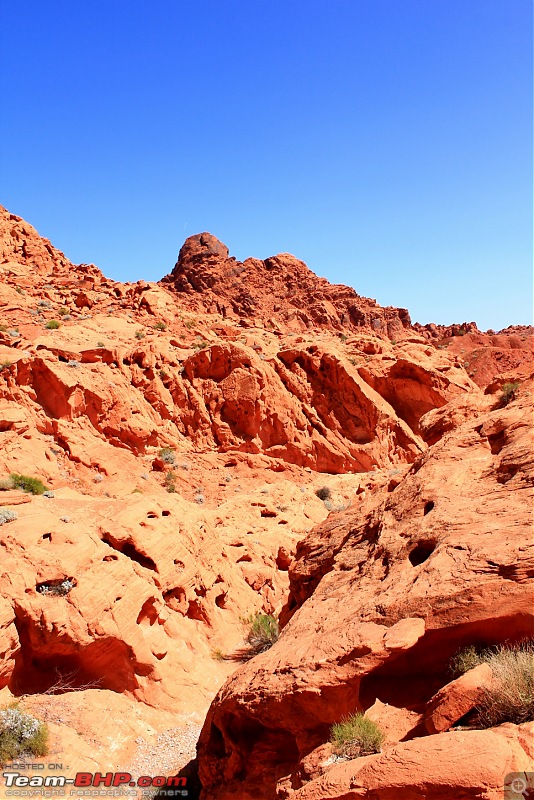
47, 663
265, 512
165, 513
59, 587
196, 611
148, 614
220, 600
428, 507
110, 558
246, 557
176, 599
201, 591
47, 536
129, 550
421, 552
152, 515
496, 442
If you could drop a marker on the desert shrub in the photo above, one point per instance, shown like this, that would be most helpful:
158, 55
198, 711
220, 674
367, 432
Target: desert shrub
170, 482
466, 659
355, 736
53, 324
49, 494
263, 632
6, 515
57, 588
510, 695
6, 484
5, 364
100, 344
139, 335
218, 654
73, 363
28, 484
63, 312
160, 326
323, 493
21, 734
508, 393
167, 455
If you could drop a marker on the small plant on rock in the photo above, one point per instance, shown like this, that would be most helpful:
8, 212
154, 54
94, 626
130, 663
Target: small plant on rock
160, 326
510, 695
21, 735
356, 736
167, 455
323, 493
263, 632
170, 482
508, 393
28, 484
6, 515
466, 659
53, 324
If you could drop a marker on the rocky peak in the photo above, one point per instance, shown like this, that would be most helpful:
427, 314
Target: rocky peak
280, 291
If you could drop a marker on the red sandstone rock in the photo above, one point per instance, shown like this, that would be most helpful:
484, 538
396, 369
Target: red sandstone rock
258, 376
456, 699
429, 568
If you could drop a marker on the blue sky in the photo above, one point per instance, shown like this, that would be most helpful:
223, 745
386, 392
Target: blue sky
387, 143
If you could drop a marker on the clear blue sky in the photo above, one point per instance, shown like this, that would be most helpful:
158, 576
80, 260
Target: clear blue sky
387, 143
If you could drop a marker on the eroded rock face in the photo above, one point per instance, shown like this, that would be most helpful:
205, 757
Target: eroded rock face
184, 428
280, 289
381, 597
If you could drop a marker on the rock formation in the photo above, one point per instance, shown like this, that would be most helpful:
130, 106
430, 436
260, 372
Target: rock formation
182, 429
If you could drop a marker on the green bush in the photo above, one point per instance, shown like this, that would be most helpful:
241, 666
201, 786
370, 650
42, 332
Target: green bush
53, 324
356, 736
21, 735
323, 493
466, 659
170, 482
508, 393
510, 695
6, 484
263, 632
160, 326
28, 484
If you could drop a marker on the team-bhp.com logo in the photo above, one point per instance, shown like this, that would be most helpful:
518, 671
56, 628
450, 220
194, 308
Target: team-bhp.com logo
109, 784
